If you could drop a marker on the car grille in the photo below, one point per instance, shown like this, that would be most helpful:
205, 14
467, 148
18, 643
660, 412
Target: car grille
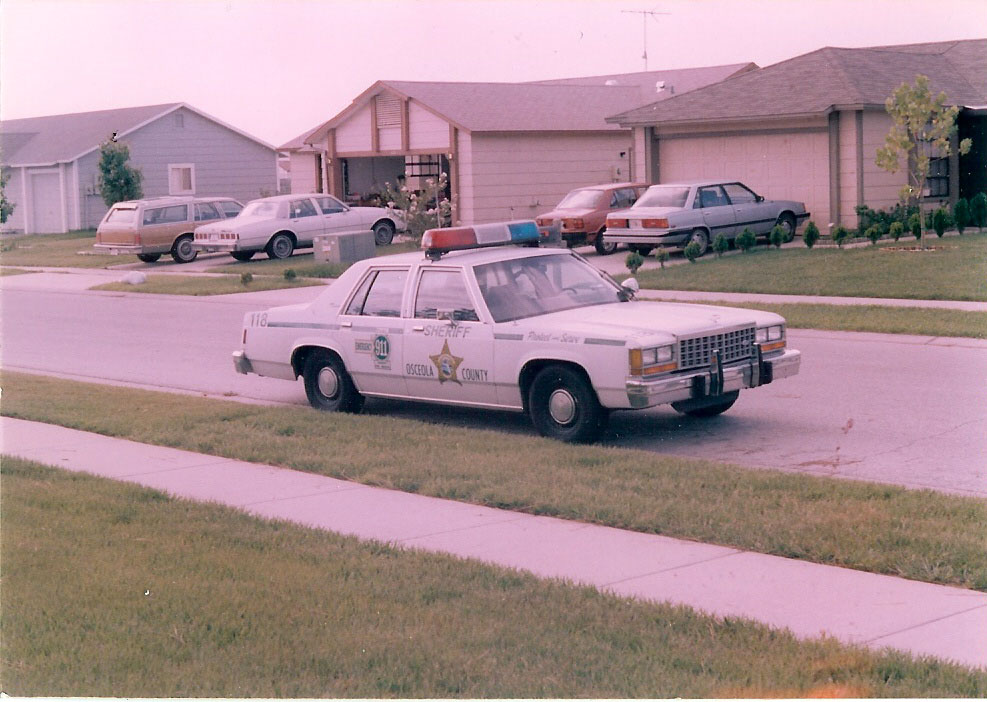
733, 346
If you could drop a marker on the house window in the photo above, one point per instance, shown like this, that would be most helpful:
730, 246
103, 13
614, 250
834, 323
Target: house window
181, 178
937, 183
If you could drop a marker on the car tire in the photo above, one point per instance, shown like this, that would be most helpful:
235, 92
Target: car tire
327, 384
564, 406
787, 222
182, 250
383, 233
643, 250
280, 246
242, 255
148, 258
604, 248
707, 406
699, 236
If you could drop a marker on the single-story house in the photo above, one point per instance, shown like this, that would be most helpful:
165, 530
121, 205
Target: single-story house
809, 128
52, 161
511, 149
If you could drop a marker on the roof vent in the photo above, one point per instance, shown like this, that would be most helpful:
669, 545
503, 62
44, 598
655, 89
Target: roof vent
659, 86
611, 81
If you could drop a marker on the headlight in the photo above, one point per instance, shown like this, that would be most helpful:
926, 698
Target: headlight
656, 359
776, 332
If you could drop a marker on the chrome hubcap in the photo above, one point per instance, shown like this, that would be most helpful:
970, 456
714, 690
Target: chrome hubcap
562, 406
328, 382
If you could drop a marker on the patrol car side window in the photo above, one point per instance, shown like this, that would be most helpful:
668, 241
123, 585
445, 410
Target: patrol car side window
379, 295
444, 290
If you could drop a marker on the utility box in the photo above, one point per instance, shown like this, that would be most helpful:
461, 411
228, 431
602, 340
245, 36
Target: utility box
344, 247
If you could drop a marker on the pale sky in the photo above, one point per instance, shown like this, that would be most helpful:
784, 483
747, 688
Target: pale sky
276, 68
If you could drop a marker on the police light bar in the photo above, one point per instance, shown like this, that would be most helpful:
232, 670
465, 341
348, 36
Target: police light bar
439, 241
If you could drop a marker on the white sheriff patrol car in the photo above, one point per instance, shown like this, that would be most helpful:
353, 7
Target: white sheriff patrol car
477, 322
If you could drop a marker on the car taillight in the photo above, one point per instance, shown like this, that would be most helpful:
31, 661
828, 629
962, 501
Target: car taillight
137, 238
543, 222
576, 223
619, 223
660, 223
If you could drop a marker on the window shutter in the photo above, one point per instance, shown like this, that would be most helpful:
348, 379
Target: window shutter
388, 111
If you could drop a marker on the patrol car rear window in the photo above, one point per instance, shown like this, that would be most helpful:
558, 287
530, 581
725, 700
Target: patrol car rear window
528, 287
379, 295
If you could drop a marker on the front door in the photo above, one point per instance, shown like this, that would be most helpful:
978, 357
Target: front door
337, 217
448, 353
749, 212
305, 221
717, 211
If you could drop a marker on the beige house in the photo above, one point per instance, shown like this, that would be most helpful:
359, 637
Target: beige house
809, 128
511, 149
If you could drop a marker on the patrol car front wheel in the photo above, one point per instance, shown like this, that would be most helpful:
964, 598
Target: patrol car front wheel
707, 407
328, 385
563, 406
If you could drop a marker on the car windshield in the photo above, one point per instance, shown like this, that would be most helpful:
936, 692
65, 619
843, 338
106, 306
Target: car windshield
581, 198
664, 196
528, 287
261, 209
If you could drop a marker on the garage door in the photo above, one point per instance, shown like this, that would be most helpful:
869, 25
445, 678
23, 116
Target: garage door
46, 210
792, 166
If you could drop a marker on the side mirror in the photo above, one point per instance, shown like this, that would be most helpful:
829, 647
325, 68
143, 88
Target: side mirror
760, 198
632, 285
448, 316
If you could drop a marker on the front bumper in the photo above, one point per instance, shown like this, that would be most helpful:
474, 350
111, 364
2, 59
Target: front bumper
706, 382
650, 237
241, 363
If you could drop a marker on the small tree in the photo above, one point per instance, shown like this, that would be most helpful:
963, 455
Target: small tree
661, 255
921, 125
6, 206
841, 235
692, 251
978, 210
941, 221
746, 240
915, 225
118, 180
896, 230
811, 234
961, 214
720, 245
421, 211
634, 261
777, 236
873, 233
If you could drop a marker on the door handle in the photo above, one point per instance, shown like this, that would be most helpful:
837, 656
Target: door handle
346, 324
419, 328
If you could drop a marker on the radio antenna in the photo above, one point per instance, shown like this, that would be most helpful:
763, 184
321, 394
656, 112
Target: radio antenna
644, 17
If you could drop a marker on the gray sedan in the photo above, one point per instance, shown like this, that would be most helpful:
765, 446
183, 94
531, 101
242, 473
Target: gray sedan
676, 214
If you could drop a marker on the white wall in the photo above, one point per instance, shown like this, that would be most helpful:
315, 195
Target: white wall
354, 133
425, 130
303, 171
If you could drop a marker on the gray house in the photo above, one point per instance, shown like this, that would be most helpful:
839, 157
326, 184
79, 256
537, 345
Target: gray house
53, 161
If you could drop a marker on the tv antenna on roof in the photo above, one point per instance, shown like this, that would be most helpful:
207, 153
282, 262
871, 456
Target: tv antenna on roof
644, 17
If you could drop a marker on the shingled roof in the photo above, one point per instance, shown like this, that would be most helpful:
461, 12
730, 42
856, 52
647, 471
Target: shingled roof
568, 104
35, 141
826, 79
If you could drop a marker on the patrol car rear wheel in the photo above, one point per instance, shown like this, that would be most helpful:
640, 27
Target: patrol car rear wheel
328, 385
564, 406
707, 406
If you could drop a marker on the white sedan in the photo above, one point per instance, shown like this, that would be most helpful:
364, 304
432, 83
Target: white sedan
474, 322
279, 225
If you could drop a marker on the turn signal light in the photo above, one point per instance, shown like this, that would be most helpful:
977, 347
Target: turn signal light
619, 223
576, 223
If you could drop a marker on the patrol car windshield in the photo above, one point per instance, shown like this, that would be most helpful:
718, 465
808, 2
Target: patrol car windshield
663, 196
528, 287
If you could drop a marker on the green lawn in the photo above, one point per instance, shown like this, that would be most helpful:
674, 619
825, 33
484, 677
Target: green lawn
111, 590
922, 535
954, 272
303, 264
72, 250
173, 284
924, 321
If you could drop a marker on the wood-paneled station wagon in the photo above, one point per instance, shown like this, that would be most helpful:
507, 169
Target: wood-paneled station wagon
474, 320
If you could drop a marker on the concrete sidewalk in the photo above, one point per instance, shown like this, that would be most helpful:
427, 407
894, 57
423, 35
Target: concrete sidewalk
809, 599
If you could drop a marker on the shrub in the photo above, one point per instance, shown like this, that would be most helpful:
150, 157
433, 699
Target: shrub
778, 236
841, 235
691, 251
746, 240
720, 245
289, 274
896, 230
941, 221
246, 278
811, 234
978, 210
661, 255
915, 225
874, 233
961, 214
634, 261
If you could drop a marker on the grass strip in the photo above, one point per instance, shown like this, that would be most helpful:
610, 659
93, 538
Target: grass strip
115, 590
173, 284
72, 250
305, 265
924, 321
952, 272
12, 271
922, 535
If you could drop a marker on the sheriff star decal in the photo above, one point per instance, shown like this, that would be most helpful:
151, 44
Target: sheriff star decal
446, 364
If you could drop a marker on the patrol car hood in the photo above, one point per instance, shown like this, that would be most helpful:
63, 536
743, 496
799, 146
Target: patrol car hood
643, 319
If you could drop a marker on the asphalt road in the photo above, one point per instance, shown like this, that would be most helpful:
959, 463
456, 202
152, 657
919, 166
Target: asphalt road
905, 410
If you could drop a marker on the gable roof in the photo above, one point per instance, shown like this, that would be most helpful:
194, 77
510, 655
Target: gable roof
826, 79
36, 141
566, 104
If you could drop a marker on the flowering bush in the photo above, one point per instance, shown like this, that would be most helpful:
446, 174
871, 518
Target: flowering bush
427, 209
